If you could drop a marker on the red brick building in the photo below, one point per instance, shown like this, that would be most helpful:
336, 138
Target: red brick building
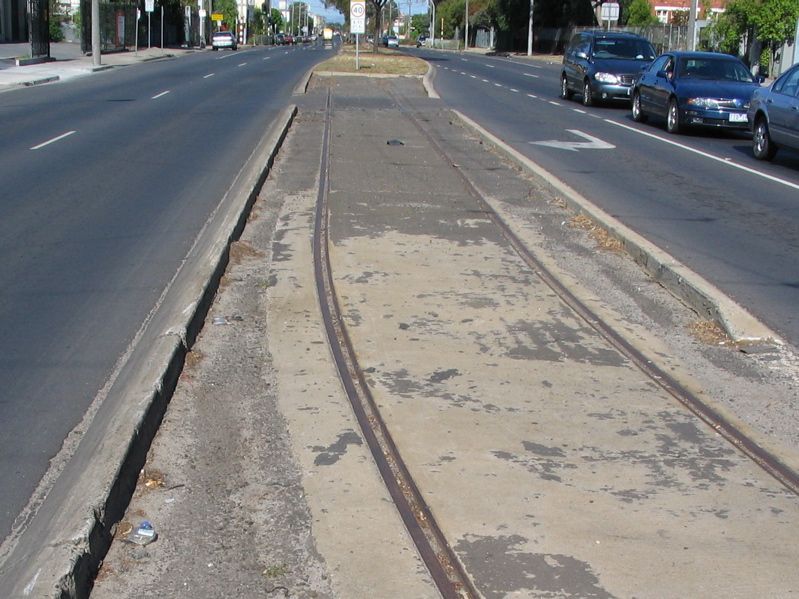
667, 11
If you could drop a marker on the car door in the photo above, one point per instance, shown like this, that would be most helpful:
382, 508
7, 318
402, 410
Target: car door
570, 61
647, 84
783, 109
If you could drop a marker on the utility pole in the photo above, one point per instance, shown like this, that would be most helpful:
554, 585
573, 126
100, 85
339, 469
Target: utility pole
530, 32
96, 33
692, 26
466, 28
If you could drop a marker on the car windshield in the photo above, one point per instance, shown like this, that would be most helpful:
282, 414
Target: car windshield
624, 48
717, 69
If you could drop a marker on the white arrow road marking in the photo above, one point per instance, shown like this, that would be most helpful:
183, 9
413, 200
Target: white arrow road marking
593, 143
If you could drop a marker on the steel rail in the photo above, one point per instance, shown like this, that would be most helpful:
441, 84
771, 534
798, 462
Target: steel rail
769, 462
441, 561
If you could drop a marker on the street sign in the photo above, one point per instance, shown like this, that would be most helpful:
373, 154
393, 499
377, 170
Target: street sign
217, 16
610, 11
149, 5
202, 13
358, 16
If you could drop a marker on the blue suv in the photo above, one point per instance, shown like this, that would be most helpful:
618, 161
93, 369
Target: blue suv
603, 65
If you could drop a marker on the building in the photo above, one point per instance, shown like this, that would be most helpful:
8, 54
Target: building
676, 11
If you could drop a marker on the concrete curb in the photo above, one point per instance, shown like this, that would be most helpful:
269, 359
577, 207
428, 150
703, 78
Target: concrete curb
65, 539
427, 81
703, 297
41, 81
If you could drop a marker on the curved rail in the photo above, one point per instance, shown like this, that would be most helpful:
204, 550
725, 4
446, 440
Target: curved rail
441, 561
775, 467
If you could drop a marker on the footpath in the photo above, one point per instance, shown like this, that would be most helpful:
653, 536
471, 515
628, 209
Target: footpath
68, 62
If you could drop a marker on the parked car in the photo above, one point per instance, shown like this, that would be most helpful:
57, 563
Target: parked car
774, 115
223, 39
392, 41
695, 89
288, 39
602, 65
420, 41
280, 39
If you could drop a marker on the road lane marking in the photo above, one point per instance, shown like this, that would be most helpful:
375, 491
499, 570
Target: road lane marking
267, 57
491, 66
486, 81
473, 76
156, 96
243, 64
593, 143
728, 162
534, 97
580, 111
514, 90
55, 139
531, 75
554, 103
208, 75
498, 84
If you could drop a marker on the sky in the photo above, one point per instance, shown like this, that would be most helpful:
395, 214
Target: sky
332, 15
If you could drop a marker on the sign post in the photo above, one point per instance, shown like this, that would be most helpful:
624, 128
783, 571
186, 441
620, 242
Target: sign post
610, 12
357, 24
149, 6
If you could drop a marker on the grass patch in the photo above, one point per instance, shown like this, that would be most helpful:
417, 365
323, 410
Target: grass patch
384, 62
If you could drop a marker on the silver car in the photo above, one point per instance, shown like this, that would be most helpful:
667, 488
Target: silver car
223, 39
774, 114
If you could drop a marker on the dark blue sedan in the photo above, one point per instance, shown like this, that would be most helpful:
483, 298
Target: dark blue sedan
694, 89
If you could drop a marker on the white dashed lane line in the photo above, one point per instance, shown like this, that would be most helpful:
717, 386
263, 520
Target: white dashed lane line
156, 96
208, 75
243, 64
554, 103
55, 139
531, 75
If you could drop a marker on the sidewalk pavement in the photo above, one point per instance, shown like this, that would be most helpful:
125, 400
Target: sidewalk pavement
69, 63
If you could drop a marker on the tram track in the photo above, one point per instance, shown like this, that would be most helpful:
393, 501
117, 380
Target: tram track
442, 562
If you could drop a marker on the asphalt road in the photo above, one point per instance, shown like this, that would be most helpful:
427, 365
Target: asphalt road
700, 196
107, 181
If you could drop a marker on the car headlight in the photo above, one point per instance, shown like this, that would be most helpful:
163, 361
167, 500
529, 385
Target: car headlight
606, 78
709, 103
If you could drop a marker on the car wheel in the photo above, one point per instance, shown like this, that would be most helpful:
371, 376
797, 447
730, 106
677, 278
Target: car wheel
762, 146
673, 124
214, 48
588, 95
638, 114
565, 92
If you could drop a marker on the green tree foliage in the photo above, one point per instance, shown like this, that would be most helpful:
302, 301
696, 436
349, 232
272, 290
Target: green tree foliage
57, 14
229, 12
640, 14
772, 22
420, 24
775, 23
277, 19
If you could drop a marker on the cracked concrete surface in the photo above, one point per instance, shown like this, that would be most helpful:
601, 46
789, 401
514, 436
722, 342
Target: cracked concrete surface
554, 467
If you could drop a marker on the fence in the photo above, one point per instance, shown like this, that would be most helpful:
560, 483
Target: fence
117, 25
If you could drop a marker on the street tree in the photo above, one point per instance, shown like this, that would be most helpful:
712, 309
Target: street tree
775, 23
640, 14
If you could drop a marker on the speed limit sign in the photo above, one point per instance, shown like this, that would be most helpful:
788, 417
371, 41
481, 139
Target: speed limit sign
358, 16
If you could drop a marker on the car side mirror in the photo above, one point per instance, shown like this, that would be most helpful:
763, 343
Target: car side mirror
664, 74
760, 79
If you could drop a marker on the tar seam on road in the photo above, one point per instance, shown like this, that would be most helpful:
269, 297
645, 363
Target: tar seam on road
769, 462
441, 561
